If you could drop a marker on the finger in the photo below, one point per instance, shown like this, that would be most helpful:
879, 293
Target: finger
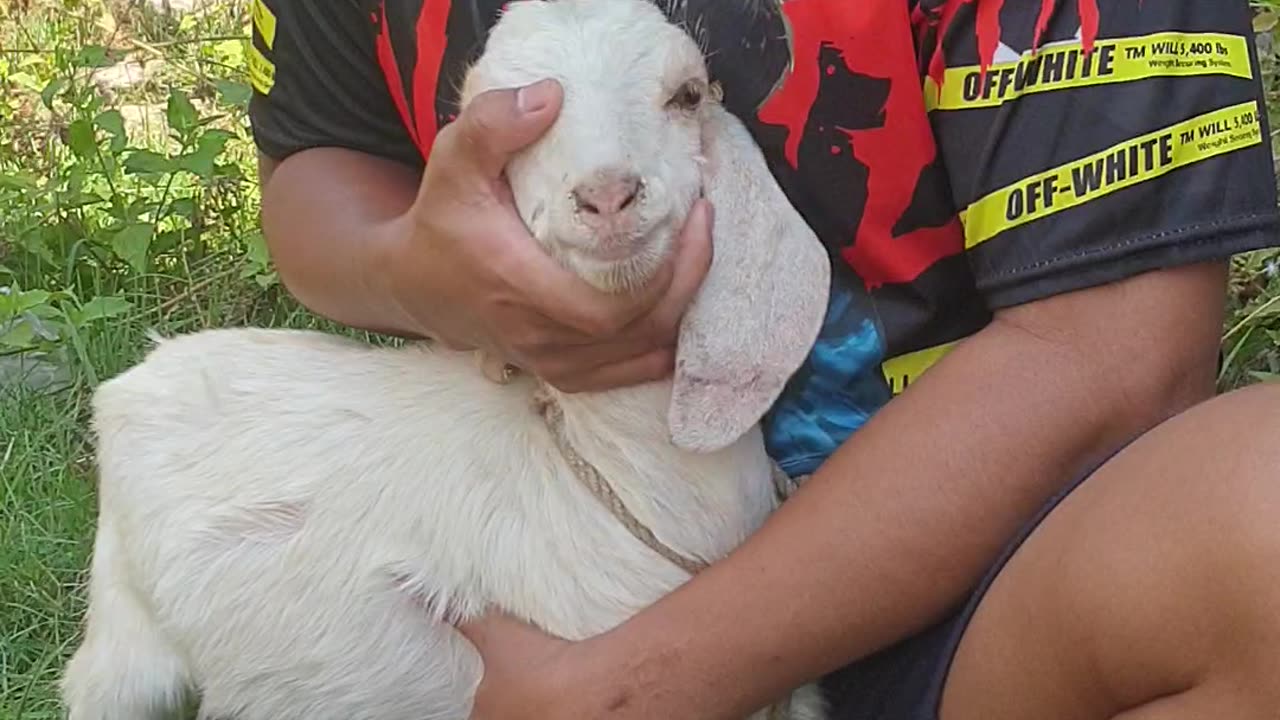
482, 630
694, 254
575, 354
653, 365
565, 298
451, 342
487, 632
495, 125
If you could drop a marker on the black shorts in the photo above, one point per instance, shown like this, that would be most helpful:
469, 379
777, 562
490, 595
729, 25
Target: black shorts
905, 681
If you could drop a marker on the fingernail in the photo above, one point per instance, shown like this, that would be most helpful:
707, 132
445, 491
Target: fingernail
532, 98
707, 217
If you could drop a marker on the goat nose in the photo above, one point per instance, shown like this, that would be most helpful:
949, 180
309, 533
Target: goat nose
608, 193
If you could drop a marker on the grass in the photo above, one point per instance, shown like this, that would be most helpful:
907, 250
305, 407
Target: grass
121, 209
128, 208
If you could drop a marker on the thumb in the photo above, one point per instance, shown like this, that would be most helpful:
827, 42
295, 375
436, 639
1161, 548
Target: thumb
499, 628
498, 123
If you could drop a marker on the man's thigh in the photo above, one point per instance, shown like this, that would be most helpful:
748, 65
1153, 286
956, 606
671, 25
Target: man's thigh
1156, 579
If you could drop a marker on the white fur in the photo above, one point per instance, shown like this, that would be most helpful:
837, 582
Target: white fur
614, 114
289, 519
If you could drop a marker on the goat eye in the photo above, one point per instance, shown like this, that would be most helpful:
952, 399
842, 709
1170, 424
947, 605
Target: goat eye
687, 97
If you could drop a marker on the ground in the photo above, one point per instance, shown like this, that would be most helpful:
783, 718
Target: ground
128, 200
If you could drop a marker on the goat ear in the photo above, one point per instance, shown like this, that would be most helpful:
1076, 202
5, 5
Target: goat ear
762, 304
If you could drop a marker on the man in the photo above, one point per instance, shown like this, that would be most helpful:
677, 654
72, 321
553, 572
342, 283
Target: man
1044, 229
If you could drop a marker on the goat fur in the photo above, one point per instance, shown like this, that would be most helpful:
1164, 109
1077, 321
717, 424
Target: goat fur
289, 520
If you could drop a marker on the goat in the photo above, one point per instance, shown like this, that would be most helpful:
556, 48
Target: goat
289, 521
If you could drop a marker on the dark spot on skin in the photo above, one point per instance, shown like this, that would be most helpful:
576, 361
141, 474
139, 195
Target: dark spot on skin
619, 701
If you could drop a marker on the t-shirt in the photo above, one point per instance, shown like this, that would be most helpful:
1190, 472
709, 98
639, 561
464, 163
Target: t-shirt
955, 156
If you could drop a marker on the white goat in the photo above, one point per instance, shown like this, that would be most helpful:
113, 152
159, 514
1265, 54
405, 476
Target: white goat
289, 519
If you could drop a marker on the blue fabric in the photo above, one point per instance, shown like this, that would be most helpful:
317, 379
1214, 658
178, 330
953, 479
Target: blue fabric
835, 392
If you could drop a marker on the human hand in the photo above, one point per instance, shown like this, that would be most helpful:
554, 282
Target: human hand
527, 672
469, 274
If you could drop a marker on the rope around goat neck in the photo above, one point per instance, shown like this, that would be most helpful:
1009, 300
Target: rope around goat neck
595, 482
604, 492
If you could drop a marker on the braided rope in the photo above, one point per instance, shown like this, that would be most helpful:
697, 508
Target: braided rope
595, 482
600, 488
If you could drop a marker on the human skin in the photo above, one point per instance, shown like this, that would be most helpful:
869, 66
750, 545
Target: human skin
1151, 593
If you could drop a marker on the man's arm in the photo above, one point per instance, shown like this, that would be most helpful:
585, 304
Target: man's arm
902, 521
333, 218
1107, 314
336, 167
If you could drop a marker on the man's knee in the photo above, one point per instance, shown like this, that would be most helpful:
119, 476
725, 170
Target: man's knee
1158, 572
1180, 565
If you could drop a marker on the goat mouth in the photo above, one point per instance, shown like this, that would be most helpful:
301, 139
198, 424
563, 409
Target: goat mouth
616, 248
624, 265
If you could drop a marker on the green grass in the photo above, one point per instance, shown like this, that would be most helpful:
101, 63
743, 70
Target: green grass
119, 212
137, 209
47, 503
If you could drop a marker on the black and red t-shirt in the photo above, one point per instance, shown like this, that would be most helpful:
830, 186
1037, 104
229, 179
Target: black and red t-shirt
956, 156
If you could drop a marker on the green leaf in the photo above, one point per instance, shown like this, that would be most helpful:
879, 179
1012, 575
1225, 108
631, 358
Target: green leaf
132, 243
184, 207
119, 210
101, 308
16, 302
41, 327
80, 198
18, 181
229, 51
17, 335
166, 241
181, 113
54, 87
26, 80
91, 56
75, 177
109, 163
222, 135
80, 136
234, 93
47, 310
33, 241
257, 251
266, 280
112, 122
136, 208
145, 161
200, 162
